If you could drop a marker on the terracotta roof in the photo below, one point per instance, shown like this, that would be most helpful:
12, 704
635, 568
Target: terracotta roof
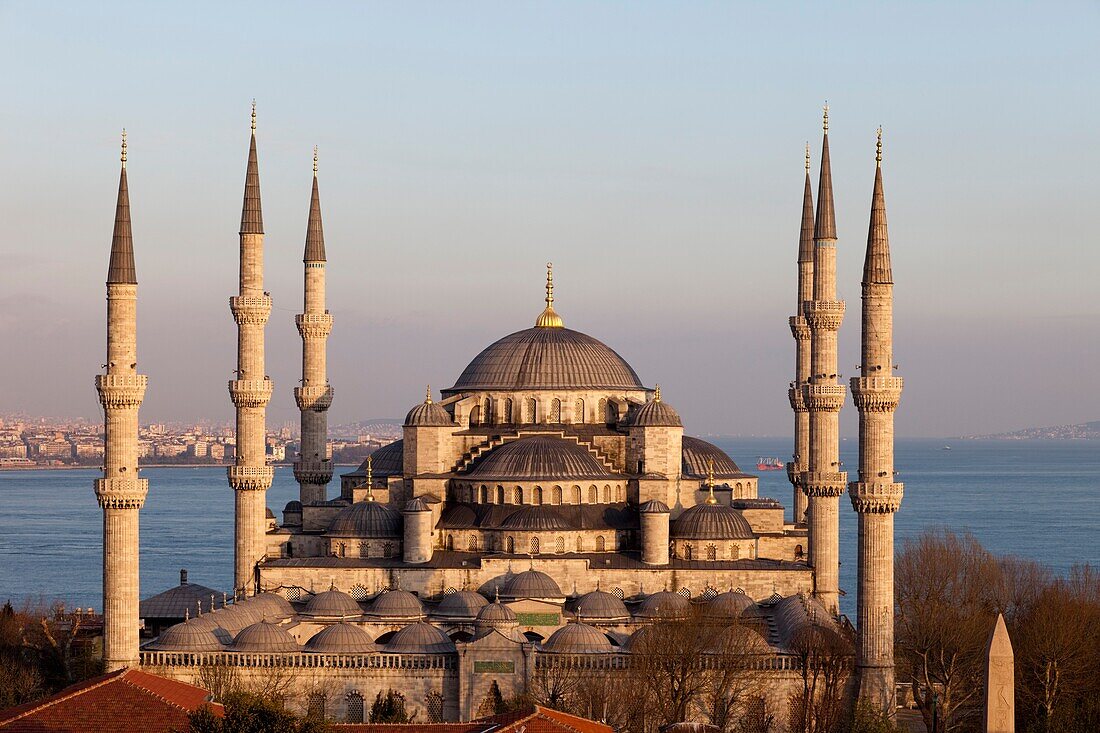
532, 719
122, 270
118, 702
315, 234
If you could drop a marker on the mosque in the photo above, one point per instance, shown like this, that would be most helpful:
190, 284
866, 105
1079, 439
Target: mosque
543, 510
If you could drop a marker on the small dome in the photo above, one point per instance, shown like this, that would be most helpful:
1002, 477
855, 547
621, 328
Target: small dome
416, 505
341, 638
653, 506
711, 522
293, 506
396, 604
389, 460
697, 455
638, 640
366, 519
187, 637
429, 414
531, 584
539, 457
497, 616
332, 604
737, 639
729, 605
233, 618
268, 513
600, 606
653, 414
535, 518
270, 605
577, 638
460, 604
420, 638
264, 637
664, 604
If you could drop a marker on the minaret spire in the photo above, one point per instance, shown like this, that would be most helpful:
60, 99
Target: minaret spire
800, 329
121, 493
823, 482
313, 469
876, 495
250, 476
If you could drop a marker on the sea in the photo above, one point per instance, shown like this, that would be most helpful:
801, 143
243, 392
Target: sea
1033, 498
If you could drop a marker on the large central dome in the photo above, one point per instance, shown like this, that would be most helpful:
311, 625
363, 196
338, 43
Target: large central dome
547, 358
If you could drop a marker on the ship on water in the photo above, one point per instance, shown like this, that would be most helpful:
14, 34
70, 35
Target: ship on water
768, 464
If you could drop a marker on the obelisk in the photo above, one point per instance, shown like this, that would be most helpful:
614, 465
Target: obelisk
1000, 702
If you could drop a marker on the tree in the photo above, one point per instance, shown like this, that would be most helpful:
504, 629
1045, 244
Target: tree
390, 708
245, 713
825, 660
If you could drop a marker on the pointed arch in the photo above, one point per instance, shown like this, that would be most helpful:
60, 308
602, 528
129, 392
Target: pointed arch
555, 410
578, 411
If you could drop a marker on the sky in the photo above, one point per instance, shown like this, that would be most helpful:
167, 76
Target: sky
652, 151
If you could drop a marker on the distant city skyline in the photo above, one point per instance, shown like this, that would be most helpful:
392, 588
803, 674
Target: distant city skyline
653, 152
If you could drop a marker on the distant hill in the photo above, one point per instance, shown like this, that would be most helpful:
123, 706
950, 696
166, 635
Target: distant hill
1084, 431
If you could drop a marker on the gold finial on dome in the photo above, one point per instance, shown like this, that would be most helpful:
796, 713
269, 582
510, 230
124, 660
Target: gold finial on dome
314, 161
710, 481
124, 147
878, 149
657, 394
825, 120
253, 116
370, 477
807, 157
428, 395
548, 318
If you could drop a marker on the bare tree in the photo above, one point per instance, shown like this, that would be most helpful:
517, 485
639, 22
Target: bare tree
825, 659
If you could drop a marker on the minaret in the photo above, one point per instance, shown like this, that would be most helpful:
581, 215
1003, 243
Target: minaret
800, 329
876, 496
313, 469
250, 477
823, 481
120, 492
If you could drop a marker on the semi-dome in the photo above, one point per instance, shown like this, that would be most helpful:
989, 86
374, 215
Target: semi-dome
264, 637
531, 584
366, 519
539, 457
653, 414
729, 605
698, 454
711, 522
389, 460
429, 414
577, 638
341, 638
547, 358
497, 616
535, 518
233, 618
600, 605
460, 604
420, 638
332, 604
396, 604
664, 604
187, 637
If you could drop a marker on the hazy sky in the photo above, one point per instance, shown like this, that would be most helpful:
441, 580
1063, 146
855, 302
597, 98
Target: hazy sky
652, 151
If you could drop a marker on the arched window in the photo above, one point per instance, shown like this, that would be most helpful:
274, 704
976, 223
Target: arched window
500, 495
688, 550
560, 546
484, 491
578, 411
355, 707
507, 416
434, 703
472, 545
580, 544
538, 495
602, 410
618, 493
450, 542
592, 498
576, 494
316, 706
735, 552
364, 549
600, 545
517, 495
475, 415
532, 411
555, 410
343, 550
556, 496
387, 549
511, 545
534, 545
799, 553
606, 494
712, 552
612, 413
289, 550
487, 410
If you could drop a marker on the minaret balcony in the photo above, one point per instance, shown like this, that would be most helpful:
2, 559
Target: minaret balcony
119, 391
798, 399
252, 310
313, 325
824, 483
121, 493
318, 399
250, 392
250, 478
800, 329
794, 472
824, 397
875, 497
313, 472
824, 315
876, 394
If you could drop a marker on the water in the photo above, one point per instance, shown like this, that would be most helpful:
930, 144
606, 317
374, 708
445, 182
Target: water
1038, 499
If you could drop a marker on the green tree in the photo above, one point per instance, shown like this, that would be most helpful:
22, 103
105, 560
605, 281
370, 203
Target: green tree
252, 714
390, 708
